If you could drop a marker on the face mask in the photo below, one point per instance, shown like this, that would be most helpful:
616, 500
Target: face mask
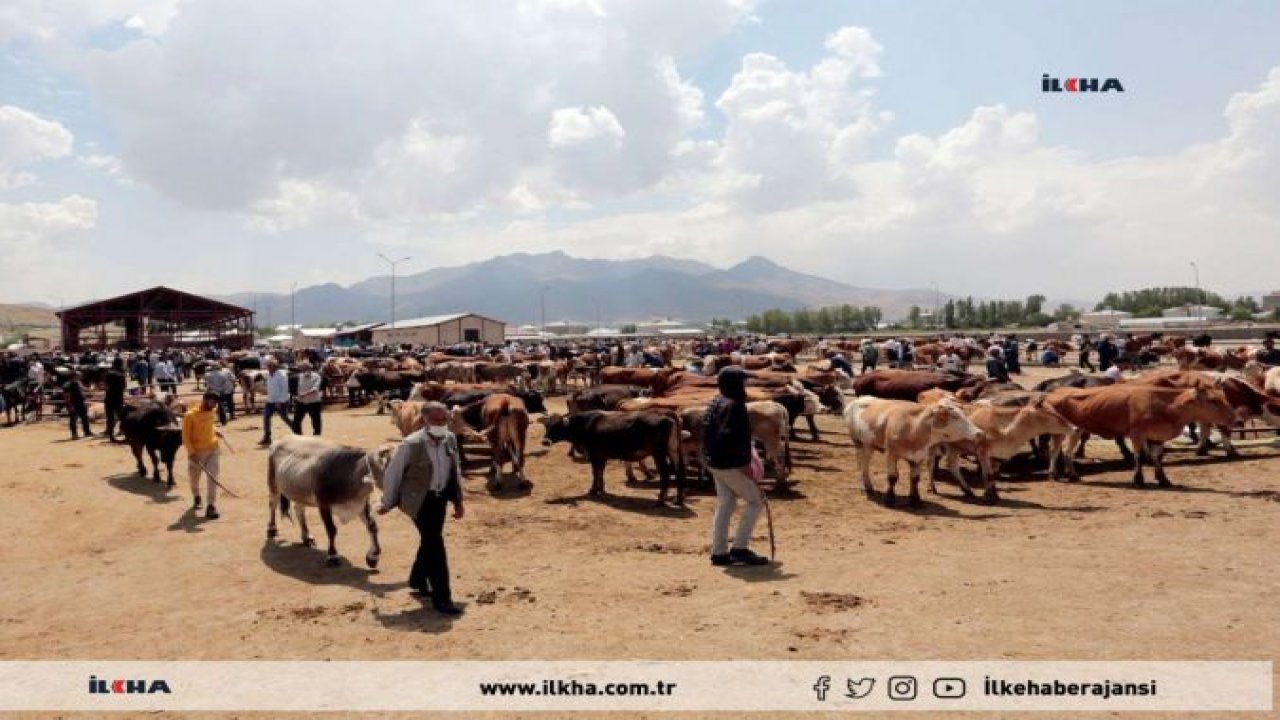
437, 431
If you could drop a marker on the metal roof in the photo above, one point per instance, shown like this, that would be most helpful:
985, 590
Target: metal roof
433, 320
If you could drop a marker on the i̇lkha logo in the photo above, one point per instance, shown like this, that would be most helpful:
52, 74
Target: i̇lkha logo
1079, 84
123, 686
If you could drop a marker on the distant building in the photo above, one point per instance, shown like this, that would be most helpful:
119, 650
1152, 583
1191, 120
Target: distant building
442, 330
566, 328
307, 338
1271, 301
1185, 311
355, 335
667, 327
1105, 318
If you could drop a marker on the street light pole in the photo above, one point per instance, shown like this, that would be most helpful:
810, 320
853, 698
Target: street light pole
936, 322
293, 308
542, 300
1199, 300
393, 264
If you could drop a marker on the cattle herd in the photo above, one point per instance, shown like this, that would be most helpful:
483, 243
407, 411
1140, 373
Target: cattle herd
644, 402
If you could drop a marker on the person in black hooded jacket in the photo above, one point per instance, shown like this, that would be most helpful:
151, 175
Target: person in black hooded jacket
726, 439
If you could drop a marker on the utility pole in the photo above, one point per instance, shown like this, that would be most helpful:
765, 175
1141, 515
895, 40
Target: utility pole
393, 264
293, 317
1199, 300
937, 323
542, 297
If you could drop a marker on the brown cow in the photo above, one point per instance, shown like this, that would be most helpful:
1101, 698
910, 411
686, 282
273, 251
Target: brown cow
1148, 416
908, 384
1248, 401
653, 378
406, 415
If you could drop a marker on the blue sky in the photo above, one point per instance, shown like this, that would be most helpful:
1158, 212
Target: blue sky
152, 130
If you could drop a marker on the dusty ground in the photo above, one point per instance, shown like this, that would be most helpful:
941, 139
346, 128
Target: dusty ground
102, 564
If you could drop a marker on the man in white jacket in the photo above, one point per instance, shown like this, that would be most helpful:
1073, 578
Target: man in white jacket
277, 399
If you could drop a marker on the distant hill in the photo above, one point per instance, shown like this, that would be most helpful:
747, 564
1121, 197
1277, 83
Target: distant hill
511, 288
26, 316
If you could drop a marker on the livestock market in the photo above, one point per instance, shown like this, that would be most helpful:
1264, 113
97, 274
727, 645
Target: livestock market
1124, 466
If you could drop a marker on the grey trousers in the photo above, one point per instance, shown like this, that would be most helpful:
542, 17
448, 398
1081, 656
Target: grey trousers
732, 484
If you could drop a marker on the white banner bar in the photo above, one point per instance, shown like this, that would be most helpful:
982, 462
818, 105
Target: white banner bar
1062, 686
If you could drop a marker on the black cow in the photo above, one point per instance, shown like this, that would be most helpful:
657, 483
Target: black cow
628, 436
152, 426
601, 397
387, 385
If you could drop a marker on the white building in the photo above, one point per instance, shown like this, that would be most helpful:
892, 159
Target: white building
442, 330
1192, 311
1105, 318
307, 338
666, 327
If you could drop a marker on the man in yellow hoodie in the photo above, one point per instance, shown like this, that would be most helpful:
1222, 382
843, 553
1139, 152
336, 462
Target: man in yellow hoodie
200, 439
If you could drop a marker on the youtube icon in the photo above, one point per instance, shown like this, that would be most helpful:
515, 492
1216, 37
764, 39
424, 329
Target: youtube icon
948, 688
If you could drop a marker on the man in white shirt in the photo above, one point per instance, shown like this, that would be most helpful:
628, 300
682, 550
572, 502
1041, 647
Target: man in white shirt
950, 361
166, 376
422, 478
219, 380
277, 399
309, 399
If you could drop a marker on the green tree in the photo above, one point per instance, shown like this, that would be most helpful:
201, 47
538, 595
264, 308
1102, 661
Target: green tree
913, 317
628, 329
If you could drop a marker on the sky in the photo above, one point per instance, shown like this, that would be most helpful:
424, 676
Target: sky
246, 145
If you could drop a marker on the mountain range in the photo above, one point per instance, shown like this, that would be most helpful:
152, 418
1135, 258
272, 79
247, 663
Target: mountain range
514, 287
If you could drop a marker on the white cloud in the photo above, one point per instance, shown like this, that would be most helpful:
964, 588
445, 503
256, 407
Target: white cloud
26, 138
577, 126
31, 235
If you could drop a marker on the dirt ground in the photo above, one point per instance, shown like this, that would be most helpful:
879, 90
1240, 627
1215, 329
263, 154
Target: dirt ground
102, 564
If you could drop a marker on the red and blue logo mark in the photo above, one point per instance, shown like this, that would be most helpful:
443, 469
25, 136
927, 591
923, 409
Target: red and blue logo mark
122, 686
1079, 84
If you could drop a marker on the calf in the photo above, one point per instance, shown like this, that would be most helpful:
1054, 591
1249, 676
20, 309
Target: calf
313, 472
903, 430
152, 426
1005, 431
629, 436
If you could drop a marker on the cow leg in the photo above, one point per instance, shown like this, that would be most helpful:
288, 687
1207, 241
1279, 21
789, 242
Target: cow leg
375, 549
914, 468
1156, 451
136, 448
1137, 462
155, 463
597, 475
664, 476
381, 397
1079, 447
1075, 439
307, 540
864, 467
1055, 447
891, 464
627, 465
330, 529
813, 426
1227, 446
273, 499
990, 474
1124, 450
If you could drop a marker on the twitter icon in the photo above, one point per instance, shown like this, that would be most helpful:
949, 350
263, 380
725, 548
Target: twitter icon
860, 688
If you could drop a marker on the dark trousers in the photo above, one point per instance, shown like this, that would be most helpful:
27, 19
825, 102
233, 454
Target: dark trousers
1084, 361
431, 566
301, 410
226, 407
169, 386
270, 409
114, 408
78, 412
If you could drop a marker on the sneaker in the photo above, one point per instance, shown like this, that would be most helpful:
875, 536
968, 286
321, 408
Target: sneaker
721, 559
196, 503
212, 514
744, 556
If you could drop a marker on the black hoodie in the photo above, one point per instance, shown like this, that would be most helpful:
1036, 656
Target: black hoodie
726, 436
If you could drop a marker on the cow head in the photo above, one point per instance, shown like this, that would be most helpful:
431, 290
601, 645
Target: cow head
949, 423
556, 426
1209, 405
533, 401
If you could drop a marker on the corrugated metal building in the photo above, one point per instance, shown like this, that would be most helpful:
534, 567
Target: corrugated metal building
442, 330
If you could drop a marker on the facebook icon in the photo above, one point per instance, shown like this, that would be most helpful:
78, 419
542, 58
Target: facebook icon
822, 687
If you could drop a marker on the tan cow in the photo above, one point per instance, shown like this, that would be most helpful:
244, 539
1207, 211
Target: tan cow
769, 424
1006, 431
1147, 415
406, 415
903, 430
